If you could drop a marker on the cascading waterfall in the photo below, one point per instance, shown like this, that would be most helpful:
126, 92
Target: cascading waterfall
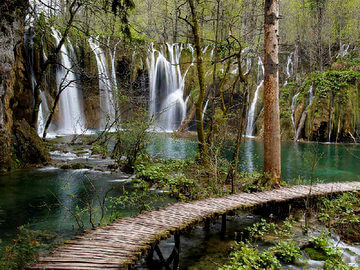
330, 123
167, 83
70, 104
132, 69
212, 53
311, 95
107, 83
293, 107
248, 64
344, 50
43, 114
244, 63
289, 68
251, 112
304, 114
205, 108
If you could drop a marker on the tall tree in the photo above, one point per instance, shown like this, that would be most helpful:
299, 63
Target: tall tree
272, 140
200, 100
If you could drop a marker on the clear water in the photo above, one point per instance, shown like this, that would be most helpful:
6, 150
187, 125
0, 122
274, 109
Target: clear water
31, 196
336, 162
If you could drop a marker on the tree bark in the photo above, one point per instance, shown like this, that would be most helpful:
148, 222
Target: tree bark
201, 96
272, 139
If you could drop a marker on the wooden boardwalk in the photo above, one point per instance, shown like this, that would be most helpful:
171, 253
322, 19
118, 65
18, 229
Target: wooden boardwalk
121, 244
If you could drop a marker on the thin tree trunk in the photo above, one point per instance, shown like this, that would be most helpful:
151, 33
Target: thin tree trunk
186, 122
272, 140
233, 169
201, 96
73, 9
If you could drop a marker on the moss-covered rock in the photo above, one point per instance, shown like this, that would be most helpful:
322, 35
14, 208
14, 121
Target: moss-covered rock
5, 152
28, 147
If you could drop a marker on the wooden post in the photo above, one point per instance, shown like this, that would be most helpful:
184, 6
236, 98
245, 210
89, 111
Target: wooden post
207, 225
223, 225
177, 248
150, 256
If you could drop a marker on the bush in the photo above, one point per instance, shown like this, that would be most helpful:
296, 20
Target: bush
24, 250
246, 257
287, 251
131, 142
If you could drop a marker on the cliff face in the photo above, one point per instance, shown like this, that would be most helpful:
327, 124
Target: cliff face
15, 87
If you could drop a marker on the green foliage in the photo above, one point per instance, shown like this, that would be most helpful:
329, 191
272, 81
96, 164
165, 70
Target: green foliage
131, 142
340, 210
23, 251
287, 251
341, 215
322, 245
349, 62
138, 200
321, 249
121, 9
169, 175
246, 257
254, 182
152, 172
335, 83
263, 228
100, 148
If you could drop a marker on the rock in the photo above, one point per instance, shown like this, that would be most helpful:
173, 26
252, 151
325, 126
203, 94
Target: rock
5, 152
28, 147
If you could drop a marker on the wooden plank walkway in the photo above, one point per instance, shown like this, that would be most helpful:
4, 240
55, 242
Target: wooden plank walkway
120, 244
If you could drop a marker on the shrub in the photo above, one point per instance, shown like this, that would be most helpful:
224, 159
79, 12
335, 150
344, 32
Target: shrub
287, 251
23, 251
246, 257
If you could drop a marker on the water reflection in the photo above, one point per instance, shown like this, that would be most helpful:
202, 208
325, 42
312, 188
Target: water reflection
336, 162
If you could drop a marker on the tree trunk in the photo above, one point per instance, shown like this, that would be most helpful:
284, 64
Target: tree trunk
272, 140
186, 122
201, 96
73, 9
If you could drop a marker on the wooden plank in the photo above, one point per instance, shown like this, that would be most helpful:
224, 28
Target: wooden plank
109, 247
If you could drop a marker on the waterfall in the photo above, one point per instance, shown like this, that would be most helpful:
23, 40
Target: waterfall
248, 64
289, 68
43, 114
107, 83
344, 50
212, 53
293, 107
311, 95
330, 122
205, 49
132, 69
70, 104
304, 114
251, 112
167, 83
205, 108
113, 64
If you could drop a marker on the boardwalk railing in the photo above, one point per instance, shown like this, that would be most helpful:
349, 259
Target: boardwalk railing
119, 245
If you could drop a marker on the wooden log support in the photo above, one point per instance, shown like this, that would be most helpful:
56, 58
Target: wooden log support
120, 245
223, 225
207, 225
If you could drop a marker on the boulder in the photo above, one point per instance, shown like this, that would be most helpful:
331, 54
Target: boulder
28, 147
